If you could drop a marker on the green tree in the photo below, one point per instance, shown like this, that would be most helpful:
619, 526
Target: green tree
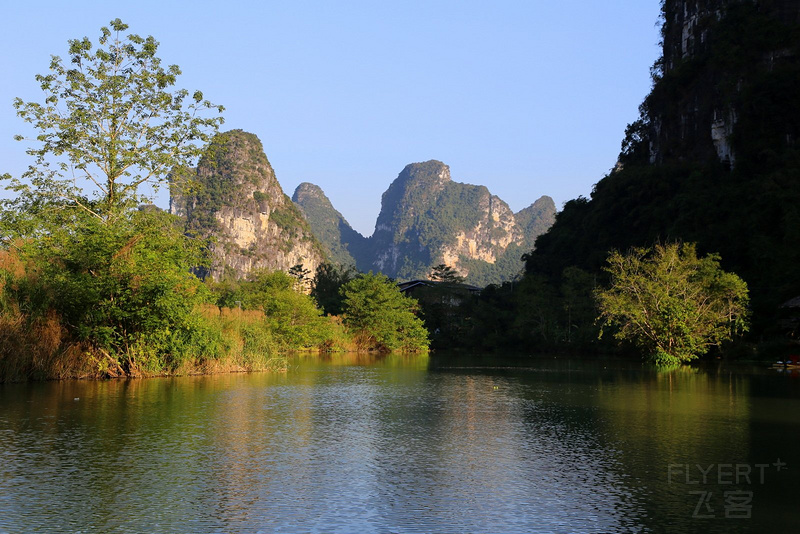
327, 284
117, 278
577, 287
671, 303
111, 123
380, 317
445, 273
532, 310
300, 274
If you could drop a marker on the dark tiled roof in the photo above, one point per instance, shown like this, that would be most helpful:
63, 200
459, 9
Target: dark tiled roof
430, 283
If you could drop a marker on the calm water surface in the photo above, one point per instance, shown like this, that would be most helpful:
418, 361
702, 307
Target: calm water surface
407, 444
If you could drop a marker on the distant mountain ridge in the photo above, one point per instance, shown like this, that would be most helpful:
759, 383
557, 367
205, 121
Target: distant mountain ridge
235, 201
426, 219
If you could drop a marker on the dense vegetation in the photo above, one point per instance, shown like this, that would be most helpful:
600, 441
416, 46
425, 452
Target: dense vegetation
291, 317
93, 300
380, 317
326, 286
672, 186
96, 281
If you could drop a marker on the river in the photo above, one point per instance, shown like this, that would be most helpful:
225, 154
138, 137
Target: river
352, 443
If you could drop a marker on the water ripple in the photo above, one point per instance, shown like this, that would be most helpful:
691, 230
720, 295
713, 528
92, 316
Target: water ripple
332, 448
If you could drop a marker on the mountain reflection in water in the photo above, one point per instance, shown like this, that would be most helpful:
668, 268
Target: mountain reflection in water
396, 443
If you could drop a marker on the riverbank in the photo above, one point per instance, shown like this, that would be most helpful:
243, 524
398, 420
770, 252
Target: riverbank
220, 340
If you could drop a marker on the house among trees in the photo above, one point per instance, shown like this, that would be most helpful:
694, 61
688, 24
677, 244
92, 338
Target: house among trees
444, 287
448, 293
443, 306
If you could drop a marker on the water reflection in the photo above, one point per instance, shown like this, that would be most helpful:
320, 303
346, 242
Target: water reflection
404, 444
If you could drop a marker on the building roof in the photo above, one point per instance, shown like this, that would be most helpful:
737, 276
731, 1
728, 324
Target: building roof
405, 286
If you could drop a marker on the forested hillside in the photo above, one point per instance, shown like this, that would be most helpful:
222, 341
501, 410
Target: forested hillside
344, 245
713, 159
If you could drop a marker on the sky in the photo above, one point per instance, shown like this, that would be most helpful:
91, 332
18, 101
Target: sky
528, 98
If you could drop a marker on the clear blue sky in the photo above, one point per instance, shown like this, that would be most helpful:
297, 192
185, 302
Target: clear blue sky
526, 97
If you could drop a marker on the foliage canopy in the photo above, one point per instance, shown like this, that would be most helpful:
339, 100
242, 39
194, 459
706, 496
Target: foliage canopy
445, 273
381, 317
327, 284
110, 123
671, 303
119, 289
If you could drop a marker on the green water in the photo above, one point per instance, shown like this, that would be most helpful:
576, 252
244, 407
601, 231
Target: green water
407, 444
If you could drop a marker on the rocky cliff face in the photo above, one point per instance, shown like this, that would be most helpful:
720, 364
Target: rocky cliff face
236, 198
713, 160
344, 245
716, 56
427, 219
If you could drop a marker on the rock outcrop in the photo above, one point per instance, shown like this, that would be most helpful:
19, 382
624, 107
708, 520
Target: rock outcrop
235, 199
426, 219
718, 57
